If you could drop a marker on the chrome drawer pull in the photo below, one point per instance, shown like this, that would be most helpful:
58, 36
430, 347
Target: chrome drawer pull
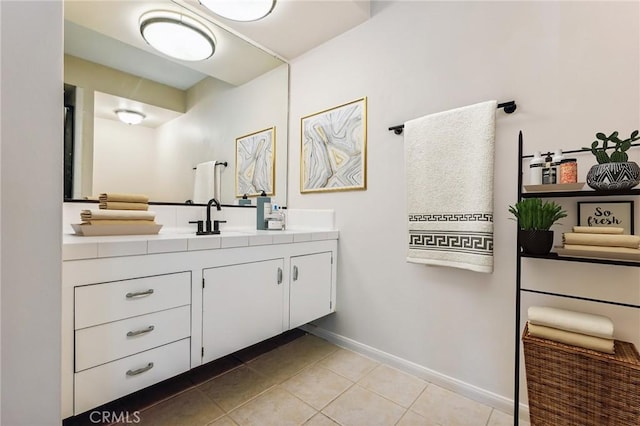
139, 293
295, 273
139, 332
140, 370
279, 275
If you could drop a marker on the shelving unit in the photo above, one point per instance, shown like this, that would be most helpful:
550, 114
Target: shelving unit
555, 257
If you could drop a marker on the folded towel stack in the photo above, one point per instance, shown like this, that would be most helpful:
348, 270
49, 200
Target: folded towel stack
601, 238
119, 201
117, 217
573, 328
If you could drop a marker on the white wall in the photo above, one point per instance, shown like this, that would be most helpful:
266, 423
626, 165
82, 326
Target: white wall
217, 114
30, 202
124, 162
573, 69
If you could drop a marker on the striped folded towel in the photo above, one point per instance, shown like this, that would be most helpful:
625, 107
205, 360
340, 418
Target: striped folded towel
89, 215
598, 230
609, 240
122, 205
127, 198
574, 339
602, 249
107, 222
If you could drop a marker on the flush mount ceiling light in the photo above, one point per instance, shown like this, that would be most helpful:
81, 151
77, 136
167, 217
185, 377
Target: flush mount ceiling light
128, 116
240, 10
177, 35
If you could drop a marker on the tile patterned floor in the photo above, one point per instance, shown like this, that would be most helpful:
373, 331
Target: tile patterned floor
309, 381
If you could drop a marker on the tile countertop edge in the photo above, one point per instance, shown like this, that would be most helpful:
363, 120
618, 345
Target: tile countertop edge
76, 247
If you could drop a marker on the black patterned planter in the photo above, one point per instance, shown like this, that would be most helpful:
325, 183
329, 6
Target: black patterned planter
613, 176
536, 241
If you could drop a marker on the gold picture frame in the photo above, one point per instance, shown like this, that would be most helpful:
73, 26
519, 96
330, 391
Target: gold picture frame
255, 163
333, 149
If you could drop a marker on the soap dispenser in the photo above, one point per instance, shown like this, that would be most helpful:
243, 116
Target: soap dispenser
244, 201
535, 169
263, 210
548, 172
275, 221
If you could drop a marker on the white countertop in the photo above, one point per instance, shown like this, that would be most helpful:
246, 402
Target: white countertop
77, 247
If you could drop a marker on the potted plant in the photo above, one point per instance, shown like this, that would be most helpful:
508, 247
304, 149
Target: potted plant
535, 217
613, 171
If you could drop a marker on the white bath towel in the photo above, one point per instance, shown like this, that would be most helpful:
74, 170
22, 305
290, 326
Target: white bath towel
449, 172
578, 322
204, 187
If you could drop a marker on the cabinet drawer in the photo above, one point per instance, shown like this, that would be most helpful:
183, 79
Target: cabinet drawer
107, 342
107, 382
101, 303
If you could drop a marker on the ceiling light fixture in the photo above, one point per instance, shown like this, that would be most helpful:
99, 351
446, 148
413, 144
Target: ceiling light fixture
128, 116
240, 10
177, 35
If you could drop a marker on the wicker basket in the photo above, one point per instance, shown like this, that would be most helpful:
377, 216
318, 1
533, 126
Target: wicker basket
568, 385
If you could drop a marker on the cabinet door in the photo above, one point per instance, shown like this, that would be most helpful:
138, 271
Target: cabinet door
310, 292
241, 305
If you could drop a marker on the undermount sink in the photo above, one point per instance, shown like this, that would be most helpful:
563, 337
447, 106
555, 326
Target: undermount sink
192, 231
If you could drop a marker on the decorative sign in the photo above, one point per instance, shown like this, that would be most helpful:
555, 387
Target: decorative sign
613, 213
334, 148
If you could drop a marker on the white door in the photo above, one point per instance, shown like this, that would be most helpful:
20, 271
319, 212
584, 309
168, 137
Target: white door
241, 305
310, 293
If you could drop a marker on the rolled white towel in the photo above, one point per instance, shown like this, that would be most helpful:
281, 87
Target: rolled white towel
578, 322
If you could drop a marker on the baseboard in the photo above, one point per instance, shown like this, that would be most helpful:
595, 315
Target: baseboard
470, 391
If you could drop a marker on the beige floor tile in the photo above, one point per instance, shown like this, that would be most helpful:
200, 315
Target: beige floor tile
317, 386
275, 407
411, 418
498, 418
320, 420
358, 407
276, 368
309, 348
188, 408
393, 384
236, 387
288, 360
448, 408
223, 421
349, 364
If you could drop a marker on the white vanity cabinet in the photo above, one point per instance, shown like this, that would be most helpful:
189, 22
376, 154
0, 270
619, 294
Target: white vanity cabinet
241, 305
311, 288
132, 317
129, 334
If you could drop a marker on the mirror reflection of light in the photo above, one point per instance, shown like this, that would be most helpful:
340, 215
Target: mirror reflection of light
177, 35
130, 117
240, 10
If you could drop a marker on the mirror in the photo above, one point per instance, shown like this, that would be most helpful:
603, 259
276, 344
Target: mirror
194, 111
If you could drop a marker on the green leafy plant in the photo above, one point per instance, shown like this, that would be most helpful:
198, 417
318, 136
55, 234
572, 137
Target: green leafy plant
534, 214
619, 154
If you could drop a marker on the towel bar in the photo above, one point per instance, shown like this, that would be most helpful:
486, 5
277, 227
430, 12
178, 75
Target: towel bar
509, 107
218, 163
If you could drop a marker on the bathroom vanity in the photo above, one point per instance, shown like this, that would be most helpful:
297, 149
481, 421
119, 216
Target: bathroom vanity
140, 309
